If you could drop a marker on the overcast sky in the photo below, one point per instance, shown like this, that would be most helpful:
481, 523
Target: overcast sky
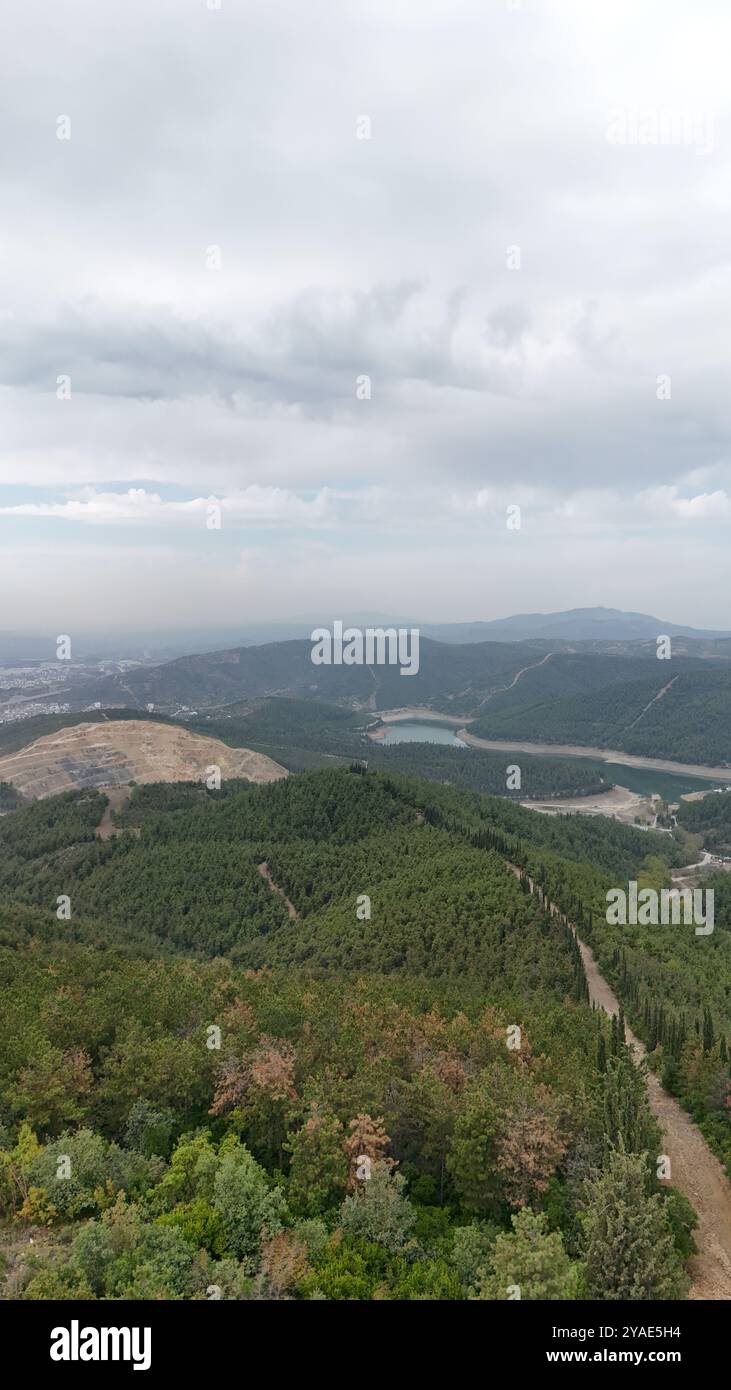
506, 224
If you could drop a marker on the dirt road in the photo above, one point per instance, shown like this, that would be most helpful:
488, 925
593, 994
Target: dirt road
503, 688
695, 1170
607, 755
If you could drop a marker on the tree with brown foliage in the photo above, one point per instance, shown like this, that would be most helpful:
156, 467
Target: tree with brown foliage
367, 1139
284, 1263
530, 1146
270, 1068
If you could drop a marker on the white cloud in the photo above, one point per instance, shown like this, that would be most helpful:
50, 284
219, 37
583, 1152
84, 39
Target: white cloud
387, 257
137, 507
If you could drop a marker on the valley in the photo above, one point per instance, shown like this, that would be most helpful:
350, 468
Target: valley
649, 778
609, 696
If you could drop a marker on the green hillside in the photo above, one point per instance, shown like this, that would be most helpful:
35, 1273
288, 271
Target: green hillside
710, 818
612, 695
216, 1062
457, 674
690, 722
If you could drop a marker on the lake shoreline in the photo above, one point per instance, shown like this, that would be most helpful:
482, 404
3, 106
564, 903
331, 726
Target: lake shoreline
422, 714
606, 755
419, 714
639, 779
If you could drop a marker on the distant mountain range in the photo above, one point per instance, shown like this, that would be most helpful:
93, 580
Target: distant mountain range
595, 624
575, 625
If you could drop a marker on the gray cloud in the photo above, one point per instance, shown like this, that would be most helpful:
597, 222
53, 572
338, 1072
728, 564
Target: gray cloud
491, 128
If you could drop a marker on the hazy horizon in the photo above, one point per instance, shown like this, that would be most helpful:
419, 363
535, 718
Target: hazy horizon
331, 613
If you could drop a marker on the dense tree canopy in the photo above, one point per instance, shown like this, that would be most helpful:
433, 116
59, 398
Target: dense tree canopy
397, 1092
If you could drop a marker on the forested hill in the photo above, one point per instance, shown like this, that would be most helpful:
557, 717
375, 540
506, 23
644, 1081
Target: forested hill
664, 711
445, 671
616, 696
217, 1013
187, 873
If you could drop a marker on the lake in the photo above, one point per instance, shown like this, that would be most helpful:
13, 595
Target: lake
644, 781
420, 733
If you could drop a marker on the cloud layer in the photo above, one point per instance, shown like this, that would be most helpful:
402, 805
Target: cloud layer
514, 291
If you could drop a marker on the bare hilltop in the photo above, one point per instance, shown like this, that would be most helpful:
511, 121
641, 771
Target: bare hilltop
116, 753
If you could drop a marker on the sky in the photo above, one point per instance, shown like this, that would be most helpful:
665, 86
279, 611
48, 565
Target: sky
357, 281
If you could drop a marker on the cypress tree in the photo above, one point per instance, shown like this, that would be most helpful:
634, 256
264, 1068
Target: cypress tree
629, 1250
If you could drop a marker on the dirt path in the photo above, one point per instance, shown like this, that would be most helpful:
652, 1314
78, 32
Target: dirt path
695, 1170
20, 1247
533, 667
649, 705
503, 688
116, 797
292, 910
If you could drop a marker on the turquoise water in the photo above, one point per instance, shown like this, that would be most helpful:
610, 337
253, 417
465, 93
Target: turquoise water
644, 781
421, 733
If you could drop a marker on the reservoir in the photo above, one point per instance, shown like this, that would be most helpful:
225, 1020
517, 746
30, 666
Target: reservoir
420, 733
669, 785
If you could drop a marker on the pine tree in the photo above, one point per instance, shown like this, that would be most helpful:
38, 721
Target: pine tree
530, 1259
318, 1171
